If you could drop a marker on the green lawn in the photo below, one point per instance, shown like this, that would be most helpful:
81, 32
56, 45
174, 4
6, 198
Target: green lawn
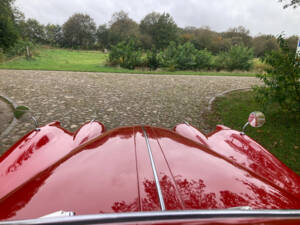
59, 59
280, 134
88, 61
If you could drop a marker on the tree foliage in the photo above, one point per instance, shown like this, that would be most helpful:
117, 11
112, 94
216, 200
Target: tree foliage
54, 35
125, 54
264, 44
152, 60
292, 42
8, 30
161, 29
168, 57
238, 36
102, 35
282, 80
33, 31
190, 48
290, 3
185, 57
79, 31
204, 59
202, 38
122, 28
20, 48
236, 58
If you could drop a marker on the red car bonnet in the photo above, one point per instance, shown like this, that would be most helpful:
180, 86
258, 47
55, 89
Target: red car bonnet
93, 172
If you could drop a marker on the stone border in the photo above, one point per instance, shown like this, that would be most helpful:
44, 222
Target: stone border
14, 121
211, 101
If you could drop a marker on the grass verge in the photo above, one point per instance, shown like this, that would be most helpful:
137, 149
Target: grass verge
280, 134
90, 61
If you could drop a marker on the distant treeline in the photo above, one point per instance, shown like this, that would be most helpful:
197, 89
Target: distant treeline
155, 31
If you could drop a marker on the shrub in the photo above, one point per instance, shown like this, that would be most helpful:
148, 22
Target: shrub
152, 60
2, 56
186, 57
19, 48
259, 66
115, 55
167, 58
125, 54
219, 62
204, 59
237, 58
282, 79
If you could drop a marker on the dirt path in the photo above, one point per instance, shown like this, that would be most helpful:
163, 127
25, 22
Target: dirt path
117, 99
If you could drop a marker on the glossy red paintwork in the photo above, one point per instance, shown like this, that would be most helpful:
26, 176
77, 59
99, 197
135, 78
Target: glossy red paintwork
242, 150
94, 172
40, 149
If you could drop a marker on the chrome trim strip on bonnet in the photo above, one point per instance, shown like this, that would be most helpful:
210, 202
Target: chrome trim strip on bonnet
160, 195
162, 216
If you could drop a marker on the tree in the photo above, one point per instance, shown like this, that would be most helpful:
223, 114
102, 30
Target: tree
152, 60
79, 31
19, 18
187, 34
220, 44
292, 3
103, 36
147, 29
8, 29
238, 36
204, 38
161, 28
168, 57
292, 42
147, 24
204, 59
186, 56
122, 28
264, 44
237, 57
33, 31
125, 54
282, 80
54, 35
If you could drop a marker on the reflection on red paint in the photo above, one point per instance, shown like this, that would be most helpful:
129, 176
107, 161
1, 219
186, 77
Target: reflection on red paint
246, 152
38, 150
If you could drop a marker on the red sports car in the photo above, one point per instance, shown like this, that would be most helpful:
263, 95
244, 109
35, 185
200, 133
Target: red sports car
143, 175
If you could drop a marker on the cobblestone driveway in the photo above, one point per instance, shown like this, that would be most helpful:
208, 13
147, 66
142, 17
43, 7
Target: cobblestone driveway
118, 99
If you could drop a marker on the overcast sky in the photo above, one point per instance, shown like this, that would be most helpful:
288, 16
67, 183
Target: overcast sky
259, 16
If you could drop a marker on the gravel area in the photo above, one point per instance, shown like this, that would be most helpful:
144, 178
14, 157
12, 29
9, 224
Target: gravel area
6, 115
114, 99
